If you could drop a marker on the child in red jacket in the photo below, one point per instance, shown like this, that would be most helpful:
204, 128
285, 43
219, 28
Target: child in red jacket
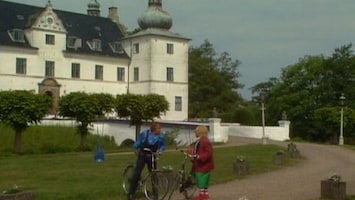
203, 161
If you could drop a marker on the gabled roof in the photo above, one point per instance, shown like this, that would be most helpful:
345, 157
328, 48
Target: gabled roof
84, 27
14, 16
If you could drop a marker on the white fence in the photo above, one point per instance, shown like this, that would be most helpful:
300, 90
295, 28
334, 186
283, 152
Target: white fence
218, 132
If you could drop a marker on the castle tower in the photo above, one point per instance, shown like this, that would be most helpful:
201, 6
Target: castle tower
159, 60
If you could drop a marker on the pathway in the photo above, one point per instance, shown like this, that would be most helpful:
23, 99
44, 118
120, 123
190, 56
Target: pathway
299, 182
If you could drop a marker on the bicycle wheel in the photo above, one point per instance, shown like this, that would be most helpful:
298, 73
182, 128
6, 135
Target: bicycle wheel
190, 186
155, 186
127, 178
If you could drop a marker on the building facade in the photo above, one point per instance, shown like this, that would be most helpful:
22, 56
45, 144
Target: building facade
58, 52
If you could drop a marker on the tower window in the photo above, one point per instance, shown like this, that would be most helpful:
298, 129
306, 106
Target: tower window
170, 74
178, 103
136, 48
136, 74
170, 48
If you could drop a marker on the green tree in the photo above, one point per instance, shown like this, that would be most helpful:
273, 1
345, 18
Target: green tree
309, 92
263, 89
105, 102
19, 108
326, 119
85, 108
213, 82
140, 108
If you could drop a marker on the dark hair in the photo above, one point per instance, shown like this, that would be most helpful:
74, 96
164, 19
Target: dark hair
154, 125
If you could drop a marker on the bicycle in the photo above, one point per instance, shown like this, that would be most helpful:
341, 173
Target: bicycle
187, 182
154, 185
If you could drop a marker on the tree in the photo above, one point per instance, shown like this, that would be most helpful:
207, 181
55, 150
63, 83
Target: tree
19, 108
85, 108
140, 108
263, 89
213, 82
104, 102
309, 92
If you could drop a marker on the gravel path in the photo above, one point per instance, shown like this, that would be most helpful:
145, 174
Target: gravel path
299, 182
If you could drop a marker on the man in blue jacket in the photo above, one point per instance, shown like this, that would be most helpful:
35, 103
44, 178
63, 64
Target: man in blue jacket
149, 141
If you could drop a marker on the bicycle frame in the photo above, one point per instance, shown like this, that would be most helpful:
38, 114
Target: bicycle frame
156, 184
183, 180
131, 167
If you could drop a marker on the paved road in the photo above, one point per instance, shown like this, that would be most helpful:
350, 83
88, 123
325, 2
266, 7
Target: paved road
299, 182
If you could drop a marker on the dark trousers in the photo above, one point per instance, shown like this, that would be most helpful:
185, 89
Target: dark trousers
142, 160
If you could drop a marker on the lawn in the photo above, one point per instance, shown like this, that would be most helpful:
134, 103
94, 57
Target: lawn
53, 168
77, 175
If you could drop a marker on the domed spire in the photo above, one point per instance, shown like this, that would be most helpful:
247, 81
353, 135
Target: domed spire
155, 16
93, 8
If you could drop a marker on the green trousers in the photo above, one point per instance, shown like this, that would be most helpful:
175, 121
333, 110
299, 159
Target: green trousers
203, 179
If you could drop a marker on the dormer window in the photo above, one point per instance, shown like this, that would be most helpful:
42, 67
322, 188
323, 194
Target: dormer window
95, 45
17, 35
73, 42
116, 47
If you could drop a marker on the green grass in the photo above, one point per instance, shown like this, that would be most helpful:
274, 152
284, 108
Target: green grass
53, 168
78, 176
51, 139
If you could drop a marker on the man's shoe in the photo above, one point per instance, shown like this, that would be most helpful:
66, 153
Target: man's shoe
130, 197
181, 188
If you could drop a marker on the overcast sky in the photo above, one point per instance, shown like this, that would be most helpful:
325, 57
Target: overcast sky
265, 35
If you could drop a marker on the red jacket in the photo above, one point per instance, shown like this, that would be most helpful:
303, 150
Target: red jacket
204, 152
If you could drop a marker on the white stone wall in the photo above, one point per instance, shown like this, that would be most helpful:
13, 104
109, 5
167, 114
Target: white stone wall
122, 131
278, 133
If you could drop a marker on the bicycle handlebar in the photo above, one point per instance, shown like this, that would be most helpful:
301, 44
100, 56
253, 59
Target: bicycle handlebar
152, 152
186, 154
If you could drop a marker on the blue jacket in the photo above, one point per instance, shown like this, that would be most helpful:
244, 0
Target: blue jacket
158, 139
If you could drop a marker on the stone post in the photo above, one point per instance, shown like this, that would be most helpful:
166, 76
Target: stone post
333, 190
285, 124
215, 126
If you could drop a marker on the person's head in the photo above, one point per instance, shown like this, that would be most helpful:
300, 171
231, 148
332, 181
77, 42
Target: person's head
201, 131
155, 128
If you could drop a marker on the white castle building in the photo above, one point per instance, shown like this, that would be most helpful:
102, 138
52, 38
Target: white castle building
57, 52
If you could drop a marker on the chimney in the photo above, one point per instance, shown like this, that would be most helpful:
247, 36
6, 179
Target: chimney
113, 15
